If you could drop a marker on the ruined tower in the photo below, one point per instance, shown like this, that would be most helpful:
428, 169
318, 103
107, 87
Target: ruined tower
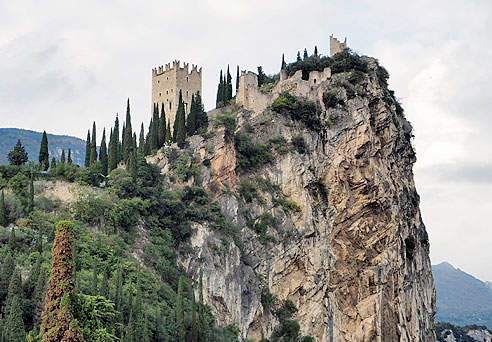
168, 80
336, 46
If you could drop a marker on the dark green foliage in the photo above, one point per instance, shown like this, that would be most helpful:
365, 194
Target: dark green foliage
69, 158
267, 298
53, 164
14, 330
315, 50
443, 329
180, 122
8, 266
347, 60
93, 155
251, 154
201, 115
18, 156
3, 210
30, 202
141, 141
298, 58
228, 121
383, 76
43, 153
298, 109
113, 148
224, 90
169, 136
162, 127
283, 65
305, 54
191, 120
88, 150
410, 247
128, 144
299, 144
62, 158
331, 100
261, 76
103, 154
237, 78
154, 129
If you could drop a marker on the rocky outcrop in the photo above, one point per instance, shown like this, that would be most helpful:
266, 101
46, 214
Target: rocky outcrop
347, 246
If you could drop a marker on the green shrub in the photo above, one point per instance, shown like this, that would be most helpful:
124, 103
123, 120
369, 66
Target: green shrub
267, 298
356, 76
347, 60
383, 76
298, 109
250, 154
228, 122
330, 99
299, 144
91, 208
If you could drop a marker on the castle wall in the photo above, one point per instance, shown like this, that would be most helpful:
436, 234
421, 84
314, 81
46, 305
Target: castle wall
168, 81
249, 95
336, 46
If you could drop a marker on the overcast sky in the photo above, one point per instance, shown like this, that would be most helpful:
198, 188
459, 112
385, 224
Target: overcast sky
64, 64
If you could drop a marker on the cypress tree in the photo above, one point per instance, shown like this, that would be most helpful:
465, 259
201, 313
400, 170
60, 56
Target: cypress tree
93, 156
298, 56
315, 50
220, 99
103, 154
37, 304
154, 130
194, 332
305, 54
3, 210
30, 202
191, 121
13, 291
111, 152
118, 293
169, 137
32, 279
131, 164
134, 140
180, 123
62, 158
94, 281
53, 164
180, 327
201, 116
44, 153
8, 267
116, 133
128, 132
141, 141
14, 330
237, 79
228, 86
88, 150
283, 63
122, 149
69, 159
58, 324
162, 127
12, 243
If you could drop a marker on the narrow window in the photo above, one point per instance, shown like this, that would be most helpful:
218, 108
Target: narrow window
170, 105
187, 91
187, 79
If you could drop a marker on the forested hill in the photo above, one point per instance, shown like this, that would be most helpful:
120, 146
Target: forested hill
461, 298
31, 141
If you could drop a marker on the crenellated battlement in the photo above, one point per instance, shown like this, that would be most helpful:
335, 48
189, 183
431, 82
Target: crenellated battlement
176, 67
336, 46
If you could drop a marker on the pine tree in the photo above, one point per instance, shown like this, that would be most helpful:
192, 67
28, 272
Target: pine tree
69, 159
180, 123
128, 134
43, 153
58, 324
18, 156
141, 141
62, 158
237, 79
180, 327
201, 114
162, 127
30, 202
191, 120
93, 156
305, 54
283, 63
88, 150
298, 56
103, 154
14, 330
3, 211
315, 50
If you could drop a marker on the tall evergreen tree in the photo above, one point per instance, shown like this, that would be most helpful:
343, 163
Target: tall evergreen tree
14, 329
103, 154
283, 63
18, 156
53, 164
13, 291
58, 323
315, 50
261, 76
162, 127
191, 120
298, 56
44, 153
180, 122
37, 303
88, 150
12, 243
305, 55
228, 86
201, 116
3, 211
111, 152
220, 92
8, 267
128, 134
154, 130
93, 156
116, 134
62, 158
94, 282
69, 159
141, 141
180, 327
237, 79
169, 136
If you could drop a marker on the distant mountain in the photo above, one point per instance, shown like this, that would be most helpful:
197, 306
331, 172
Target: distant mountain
461, 298
31, 141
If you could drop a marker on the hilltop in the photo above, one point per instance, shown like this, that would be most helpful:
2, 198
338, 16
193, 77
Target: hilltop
31, 140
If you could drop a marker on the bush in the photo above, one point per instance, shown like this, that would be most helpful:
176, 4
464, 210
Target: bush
251, 154
298, 109
92, 209
299, 144
228, 121
347, 60
126, 212
330, 99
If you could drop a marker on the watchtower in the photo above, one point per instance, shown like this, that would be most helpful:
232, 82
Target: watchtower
168, 80
336, 46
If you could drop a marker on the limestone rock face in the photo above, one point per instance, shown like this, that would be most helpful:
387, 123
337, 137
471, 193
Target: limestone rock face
349, 247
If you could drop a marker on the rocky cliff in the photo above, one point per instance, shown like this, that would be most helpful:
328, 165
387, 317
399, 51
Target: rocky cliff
326, 216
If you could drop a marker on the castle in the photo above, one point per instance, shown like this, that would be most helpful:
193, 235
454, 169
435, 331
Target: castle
250, 96
168, 80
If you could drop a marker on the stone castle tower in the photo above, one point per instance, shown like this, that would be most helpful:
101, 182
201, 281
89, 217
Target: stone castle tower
168, 80
336, 46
